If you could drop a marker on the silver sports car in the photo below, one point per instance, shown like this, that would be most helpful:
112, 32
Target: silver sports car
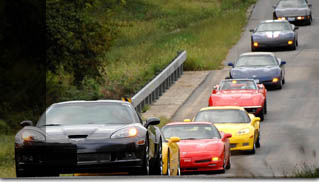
293, 10
274, 33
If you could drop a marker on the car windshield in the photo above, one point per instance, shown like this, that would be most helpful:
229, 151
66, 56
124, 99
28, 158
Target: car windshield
292, 4
238, 84
191, 131
273, 26
255, 60
223, 116
88, 113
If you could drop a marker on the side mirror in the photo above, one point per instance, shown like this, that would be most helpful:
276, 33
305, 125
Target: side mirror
152, 121
251, 30
256, 119
231, 64
296, 28
174, 139
283, 62
26, 123
215, 89
274, 6
310, 5
187, 120
227, 135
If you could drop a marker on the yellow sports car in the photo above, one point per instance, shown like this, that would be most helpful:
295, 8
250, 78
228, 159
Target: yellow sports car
170, 152
244, 127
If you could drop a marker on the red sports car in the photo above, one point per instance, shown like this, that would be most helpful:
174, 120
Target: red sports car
202, 146
241, 92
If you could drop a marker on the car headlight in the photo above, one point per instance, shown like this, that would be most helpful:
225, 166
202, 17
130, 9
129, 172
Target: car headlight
125, 133
31, 135
275, 80
243, 131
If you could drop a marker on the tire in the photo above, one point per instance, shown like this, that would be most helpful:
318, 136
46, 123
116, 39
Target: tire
280, 85
294, 47
224, 166
168, 165
159, 160
228, 166
261, 114
283, 81
146, 163
258, 141
178, 167
253, 151
265, 106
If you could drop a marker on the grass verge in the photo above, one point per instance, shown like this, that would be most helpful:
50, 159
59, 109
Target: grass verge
7, 167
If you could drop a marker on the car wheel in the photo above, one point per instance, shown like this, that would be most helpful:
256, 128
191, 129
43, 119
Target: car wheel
258, 141
283, 81
179, 167
146, 163
224, 166
253, 151
168, 165
228, 163
280, 84
294, 47
159, 160
265, 106
261, 114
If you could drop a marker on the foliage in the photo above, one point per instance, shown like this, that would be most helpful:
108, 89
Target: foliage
75, 40
7, 167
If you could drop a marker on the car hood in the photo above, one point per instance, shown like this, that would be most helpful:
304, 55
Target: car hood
292, 12
231, 98
200, 146
88, 131
273, 34
261, 73
232, 128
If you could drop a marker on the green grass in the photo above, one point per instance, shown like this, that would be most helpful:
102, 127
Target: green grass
152, 32
7, 167
306, 171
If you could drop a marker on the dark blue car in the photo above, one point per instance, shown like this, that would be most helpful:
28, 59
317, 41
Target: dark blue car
264, 67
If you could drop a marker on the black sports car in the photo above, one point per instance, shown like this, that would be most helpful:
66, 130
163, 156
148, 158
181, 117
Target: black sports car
264, 67
273, 34
88, 136
293, 10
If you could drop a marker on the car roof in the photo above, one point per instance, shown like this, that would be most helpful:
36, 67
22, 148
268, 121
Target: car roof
188, 123
239, 79
271, 21
222, 107
257, 53
90, 101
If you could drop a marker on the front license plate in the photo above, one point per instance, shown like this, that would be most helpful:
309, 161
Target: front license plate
291, 19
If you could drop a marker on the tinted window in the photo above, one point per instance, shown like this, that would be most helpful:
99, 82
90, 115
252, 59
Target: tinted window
256, 60
273, 26
292, 4
238, 84
223, 116
191, 131
88, 113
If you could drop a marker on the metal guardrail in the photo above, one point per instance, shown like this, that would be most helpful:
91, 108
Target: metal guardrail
155, 88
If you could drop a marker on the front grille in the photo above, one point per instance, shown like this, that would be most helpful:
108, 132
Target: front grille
203, 161
86, 157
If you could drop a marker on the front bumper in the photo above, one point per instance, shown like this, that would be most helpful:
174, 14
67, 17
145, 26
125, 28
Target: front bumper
296, 19
243, 142
273, 43
200, 162
90, 156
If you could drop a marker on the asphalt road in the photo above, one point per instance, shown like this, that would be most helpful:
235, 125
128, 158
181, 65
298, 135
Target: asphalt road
290, 132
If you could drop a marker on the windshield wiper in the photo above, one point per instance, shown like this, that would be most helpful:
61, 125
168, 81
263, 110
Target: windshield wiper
51, 125
190, 139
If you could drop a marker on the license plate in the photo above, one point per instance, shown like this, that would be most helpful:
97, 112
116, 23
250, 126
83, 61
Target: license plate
291, 19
